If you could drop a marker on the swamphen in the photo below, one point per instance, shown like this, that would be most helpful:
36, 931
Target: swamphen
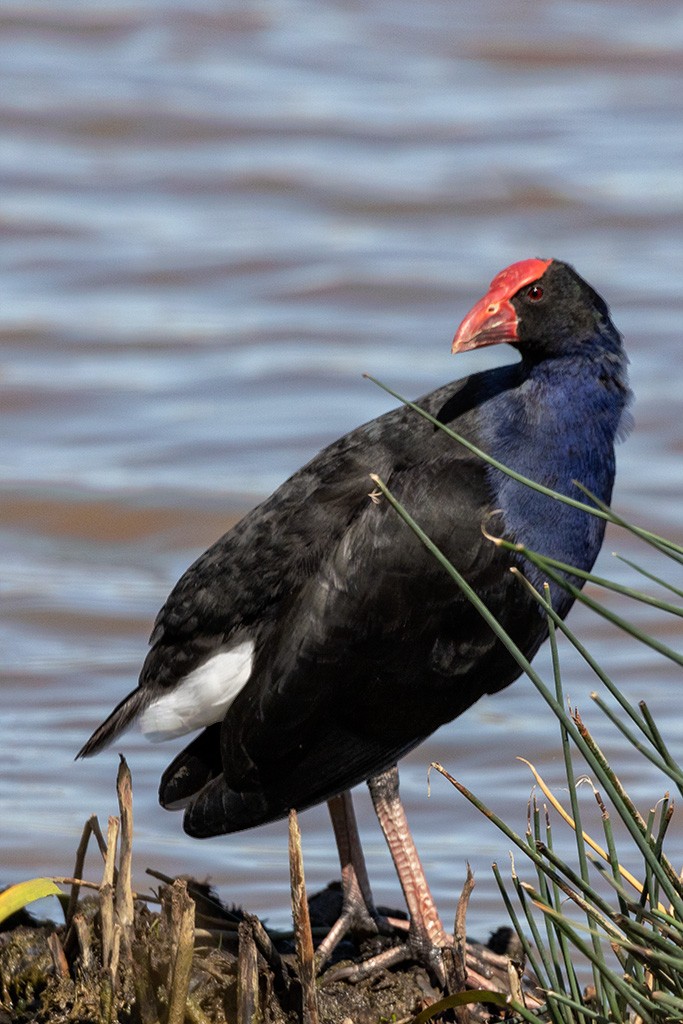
318, 641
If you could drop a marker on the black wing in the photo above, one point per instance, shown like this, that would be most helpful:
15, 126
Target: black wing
376, 650
239, 585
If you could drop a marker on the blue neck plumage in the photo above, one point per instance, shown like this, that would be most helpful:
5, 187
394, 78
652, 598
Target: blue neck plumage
557, 426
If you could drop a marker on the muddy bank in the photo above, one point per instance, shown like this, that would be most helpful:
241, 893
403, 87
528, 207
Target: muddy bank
229, 971
177, 955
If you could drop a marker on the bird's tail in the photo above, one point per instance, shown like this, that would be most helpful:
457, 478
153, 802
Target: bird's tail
217, 810
189, 772
194, 780
120, 718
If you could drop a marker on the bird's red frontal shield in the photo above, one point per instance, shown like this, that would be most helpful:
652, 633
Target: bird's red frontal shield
493, 319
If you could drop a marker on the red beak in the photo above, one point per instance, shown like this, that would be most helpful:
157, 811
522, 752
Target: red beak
494, 319
489, 322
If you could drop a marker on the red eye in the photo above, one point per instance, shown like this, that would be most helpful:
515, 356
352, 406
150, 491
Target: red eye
535, 293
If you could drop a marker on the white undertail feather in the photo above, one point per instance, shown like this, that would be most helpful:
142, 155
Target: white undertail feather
202, 697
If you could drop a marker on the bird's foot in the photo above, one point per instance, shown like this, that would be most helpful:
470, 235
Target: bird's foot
414, 947
358, 915
355, 918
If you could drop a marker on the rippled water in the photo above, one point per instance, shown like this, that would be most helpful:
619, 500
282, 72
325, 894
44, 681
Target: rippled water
215, 218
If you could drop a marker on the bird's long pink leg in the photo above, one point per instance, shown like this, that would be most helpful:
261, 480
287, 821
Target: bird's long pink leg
425, 924
358, 909
354, 872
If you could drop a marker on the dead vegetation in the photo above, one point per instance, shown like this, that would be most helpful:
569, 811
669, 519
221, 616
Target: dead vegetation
178, 956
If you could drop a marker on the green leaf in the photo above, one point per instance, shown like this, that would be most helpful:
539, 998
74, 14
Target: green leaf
462, 999
17, 896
